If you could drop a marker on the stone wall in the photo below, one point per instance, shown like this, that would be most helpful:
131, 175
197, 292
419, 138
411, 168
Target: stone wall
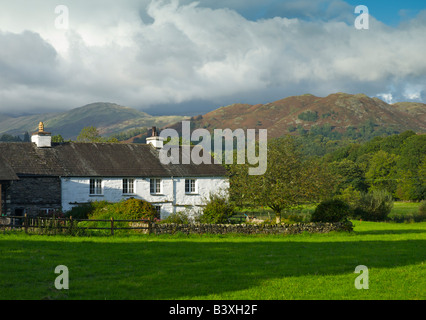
30, 194
171, 228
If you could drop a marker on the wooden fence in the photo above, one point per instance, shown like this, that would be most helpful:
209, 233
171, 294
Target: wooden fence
28, 223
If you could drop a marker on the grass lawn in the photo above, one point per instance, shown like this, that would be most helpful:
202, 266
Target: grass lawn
405, 207
306, 266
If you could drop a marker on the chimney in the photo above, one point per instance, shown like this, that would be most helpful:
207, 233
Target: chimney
155, 140
42, 138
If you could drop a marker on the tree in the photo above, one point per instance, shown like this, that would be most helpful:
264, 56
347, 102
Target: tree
411, 167
58, 138
217, 209
412, 185
290, 180
381, 173
89, 134
349, 174
26, 137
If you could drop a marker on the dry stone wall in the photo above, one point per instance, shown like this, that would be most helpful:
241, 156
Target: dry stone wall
171, 228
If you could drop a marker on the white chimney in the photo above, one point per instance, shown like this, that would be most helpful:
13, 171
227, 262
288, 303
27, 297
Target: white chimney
156, 141
41, 138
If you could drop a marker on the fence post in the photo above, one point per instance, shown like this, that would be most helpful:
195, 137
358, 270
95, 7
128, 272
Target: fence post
112, 226
70, 227
151, 225
25, 223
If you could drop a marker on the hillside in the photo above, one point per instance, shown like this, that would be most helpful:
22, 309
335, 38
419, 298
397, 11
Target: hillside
340, 111
292, 115
109, 118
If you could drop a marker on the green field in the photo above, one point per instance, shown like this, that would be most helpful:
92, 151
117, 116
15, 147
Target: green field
306, 266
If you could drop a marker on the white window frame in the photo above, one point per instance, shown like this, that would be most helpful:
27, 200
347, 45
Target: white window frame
191, 186
96, 187
158, 186
128, 186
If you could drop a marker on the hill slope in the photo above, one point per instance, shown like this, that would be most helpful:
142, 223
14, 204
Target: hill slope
109, 118
340, 111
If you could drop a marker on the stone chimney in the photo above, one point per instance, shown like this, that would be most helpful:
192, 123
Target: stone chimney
42, 138
155, 140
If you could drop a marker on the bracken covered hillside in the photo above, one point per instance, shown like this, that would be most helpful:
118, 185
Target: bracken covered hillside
340, 111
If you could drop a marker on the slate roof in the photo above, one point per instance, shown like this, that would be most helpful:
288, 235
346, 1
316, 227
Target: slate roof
6, 171
95, 160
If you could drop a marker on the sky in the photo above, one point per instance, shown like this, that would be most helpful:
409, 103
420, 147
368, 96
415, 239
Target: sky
186, 57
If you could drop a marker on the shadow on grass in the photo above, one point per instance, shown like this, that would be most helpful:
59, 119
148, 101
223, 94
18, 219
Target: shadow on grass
390, 231
175, 269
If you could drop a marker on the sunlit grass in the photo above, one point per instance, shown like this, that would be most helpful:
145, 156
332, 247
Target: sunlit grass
306, 266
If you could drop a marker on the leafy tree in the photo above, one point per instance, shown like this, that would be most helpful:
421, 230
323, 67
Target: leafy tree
9, 138
309, 116
289, 181
58, 138
349, 174
374, 205
332, 210
89, 134
129, 134
26, 137
217, 209
381, 174
92, 135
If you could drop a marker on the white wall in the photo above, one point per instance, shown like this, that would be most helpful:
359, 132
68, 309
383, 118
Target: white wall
172, 198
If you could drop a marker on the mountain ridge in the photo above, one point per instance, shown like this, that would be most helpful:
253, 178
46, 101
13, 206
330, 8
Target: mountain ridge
109, 118
340, 111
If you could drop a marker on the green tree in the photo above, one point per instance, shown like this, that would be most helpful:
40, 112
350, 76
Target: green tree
90, 134
289, 181
309, 116
217, 209
349, 174
58, 138
26, 137
381, 173
411, 172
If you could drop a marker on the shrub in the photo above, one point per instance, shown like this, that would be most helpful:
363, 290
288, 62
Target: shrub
83, 211
187, 216
308, 116
422, 208
131, 209
333, 210
178, 218
296, 216
422, 211
349, 195
217, 209
374, 205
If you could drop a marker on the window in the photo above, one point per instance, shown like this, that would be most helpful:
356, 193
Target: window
189, 185
95, 186
158, 209
128, 186
155, 186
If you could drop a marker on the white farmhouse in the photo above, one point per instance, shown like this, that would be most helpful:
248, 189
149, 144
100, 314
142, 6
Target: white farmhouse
53, 176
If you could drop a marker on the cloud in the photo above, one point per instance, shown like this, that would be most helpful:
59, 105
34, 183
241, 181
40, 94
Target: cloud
144, 54
26, 59
386, 97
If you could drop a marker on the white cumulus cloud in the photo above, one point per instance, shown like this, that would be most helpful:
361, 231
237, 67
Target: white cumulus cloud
146, 53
